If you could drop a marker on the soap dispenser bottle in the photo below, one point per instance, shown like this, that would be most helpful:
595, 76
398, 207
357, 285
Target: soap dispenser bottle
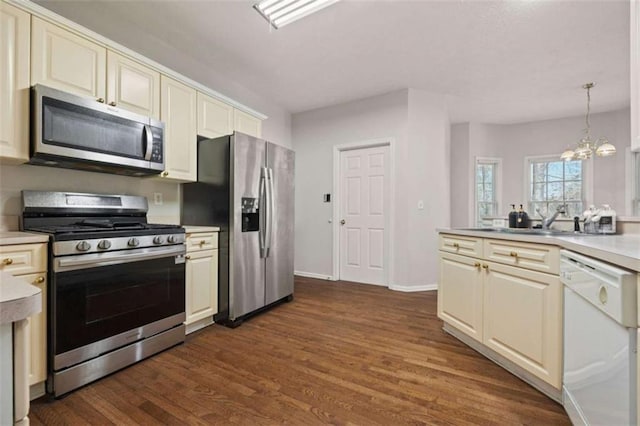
522, 218
513, 217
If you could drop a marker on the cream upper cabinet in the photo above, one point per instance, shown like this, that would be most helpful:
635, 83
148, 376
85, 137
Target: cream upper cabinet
247, 124
215, 118
132, 86
14, 84
635, 75
523, 319
178, 112
66, 61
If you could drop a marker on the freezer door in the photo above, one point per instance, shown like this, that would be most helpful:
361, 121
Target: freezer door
247, 281
279, 270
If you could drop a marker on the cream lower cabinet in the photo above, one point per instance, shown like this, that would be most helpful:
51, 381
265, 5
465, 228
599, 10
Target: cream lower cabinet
522, 319
460, 293
29, 263
14, 84
514, 311
201, 298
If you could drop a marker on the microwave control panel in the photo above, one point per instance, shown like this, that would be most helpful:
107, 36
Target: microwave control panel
156, 150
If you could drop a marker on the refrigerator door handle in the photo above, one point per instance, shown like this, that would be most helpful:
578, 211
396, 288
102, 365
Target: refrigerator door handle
270, 209
262, 212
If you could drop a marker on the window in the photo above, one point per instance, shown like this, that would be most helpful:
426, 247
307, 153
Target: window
486, 176
553, 182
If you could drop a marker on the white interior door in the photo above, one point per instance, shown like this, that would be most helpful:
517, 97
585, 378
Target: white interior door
363, 203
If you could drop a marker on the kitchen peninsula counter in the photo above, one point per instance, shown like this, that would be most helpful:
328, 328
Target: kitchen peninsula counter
622, 250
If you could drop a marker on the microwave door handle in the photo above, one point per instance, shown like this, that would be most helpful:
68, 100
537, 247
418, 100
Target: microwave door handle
148, 142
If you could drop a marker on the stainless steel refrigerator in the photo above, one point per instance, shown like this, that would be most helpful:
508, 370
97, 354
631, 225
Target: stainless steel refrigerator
245, 186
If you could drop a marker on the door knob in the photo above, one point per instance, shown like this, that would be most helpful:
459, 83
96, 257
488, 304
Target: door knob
342, 222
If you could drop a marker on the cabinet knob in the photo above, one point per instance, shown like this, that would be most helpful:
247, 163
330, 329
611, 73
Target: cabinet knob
485, 266
165, 174
101, 100
513, 254
112, 103
7, 261
477, 264
187, 257
202, 242
39, 280
456, 245
342, 222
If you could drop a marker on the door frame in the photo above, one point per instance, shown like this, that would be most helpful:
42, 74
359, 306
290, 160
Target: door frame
389, 220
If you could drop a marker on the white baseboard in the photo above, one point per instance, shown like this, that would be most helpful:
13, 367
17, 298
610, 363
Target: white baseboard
412, 288
314, 275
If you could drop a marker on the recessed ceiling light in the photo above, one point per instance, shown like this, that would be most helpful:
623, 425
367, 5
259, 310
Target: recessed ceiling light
282, 12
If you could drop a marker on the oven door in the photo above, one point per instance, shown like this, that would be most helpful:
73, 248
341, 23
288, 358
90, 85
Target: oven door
103, 301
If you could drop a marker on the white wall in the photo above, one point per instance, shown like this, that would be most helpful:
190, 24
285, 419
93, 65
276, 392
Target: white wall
315, 133
514, 142
418, 124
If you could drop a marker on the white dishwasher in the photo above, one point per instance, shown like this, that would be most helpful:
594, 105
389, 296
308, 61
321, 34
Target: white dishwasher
600, 334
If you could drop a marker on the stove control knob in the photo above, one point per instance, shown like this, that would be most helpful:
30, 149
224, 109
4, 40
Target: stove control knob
104, 245
171, 239
83, 246
158, 240
133, 242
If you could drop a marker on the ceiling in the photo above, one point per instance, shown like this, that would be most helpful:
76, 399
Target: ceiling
498, 61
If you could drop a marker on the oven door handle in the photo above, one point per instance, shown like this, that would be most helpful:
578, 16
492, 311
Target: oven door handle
94, 260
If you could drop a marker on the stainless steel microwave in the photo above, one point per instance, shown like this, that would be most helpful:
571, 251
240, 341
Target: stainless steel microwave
81, 133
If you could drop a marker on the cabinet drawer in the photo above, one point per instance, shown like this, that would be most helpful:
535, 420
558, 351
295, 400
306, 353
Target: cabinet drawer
459, 244
537, 257
202, 241
23, 258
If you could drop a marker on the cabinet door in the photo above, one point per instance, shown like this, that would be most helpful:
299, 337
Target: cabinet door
635, 75
14, 84
202, 285
132, 86
178, 111
247, 124
215, 118
523, 319
37, 341
66, 61
460, 289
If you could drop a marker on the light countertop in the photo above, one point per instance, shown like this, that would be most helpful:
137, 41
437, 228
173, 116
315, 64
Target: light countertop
16, 237
191, 229
18, 299
622, 250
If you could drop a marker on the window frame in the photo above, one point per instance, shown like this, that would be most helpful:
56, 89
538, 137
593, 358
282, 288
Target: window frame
497, 190
587, 179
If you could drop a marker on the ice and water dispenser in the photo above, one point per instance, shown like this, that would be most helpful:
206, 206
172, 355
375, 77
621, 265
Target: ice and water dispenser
250, 218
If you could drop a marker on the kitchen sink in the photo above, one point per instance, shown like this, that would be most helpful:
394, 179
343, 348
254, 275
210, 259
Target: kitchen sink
526, 231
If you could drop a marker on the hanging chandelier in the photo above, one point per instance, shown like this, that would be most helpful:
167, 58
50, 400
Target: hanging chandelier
587, 146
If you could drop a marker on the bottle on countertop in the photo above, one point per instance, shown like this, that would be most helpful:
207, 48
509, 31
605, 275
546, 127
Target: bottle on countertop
513, 216
607, 220
522, 218
591, 220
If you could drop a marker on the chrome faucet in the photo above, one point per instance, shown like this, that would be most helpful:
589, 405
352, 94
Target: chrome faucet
547, 221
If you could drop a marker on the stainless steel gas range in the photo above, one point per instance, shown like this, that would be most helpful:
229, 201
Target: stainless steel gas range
116, 283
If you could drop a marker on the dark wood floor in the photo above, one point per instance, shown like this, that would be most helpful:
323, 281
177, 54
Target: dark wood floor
340, 353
